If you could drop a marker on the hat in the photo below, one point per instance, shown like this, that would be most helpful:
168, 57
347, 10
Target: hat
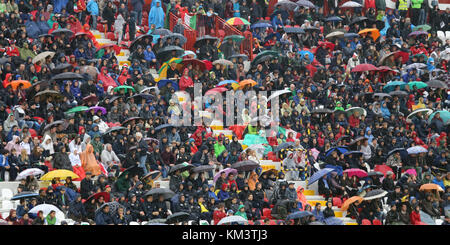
95, 118
88, 173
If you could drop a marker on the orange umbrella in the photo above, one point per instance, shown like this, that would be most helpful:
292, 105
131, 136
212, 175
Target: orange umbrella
350, 201
426, 187
246, 82
16, 83
374, 32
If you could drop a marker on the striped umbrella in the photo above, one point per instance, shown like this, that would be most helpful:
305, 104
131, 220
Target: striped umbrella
237, 21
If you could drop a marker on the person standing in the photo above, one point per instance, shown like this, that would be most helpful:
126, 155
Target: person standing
92, 8
137, 7
142, 151
416, 7
402, 7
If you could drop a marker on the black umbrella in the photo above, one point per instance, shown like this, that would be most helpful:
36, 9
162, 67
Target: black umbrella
53, 124
357, 139
396, 150
181, 167
238, 56
245, 165
344, 137
322, 111
312, 28
437, 84
375, 173
398, 93
202, 40
358, 19
163, 126
203, 168
166, 52
151, 140
61, 67
178, 217
142, 96
112, 99
161, 32
43, 95
67, 76
263, 59
118, 128
284, 145
165, 192
60, 31
157, 221
113, 207
374, 194
131, 171
381, 95
139, 41
131, 119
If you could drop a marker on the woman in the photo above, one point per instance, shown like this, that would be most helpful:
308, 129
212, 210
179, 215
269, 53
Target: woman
328, 211
47, 145
14, 143
88, 161
39, 220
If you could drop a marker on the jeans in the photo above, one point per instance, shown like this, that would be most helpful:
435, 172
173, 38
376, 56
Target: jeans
142, 160
31, 124
422, 16
164, 171
138, 18
94, 22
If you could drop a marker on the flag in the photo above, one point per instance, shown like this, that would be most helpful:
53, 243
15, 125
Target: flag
190, 20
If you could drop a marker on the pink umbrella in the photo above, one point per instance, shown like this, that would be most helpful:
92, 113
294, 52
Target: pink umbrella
216, 90
411, 171
356, 171
364, 67
227, 171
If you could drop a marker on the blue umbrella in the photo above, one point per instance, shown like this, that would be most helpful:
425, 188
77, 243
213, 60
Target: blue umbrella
334, 18
163, 126
390, 86
303, 52
25, 194
337, 169
426, 218
319, 174
260, 25
353, 153
226, 82
271, 35
416, 150
296, 30
284, 14
351, 35
333, 221
341, 149
299, 215
163, 83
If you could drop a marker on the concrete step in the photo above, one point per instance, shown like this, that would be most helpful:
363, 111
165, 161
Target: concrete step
102, 41
317, 198
309, 193
351, 223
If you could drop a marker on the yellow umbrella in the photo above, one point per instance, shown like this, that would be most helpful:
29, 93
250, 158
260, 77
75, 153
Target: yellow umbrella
374, 32
60, 173
163, 70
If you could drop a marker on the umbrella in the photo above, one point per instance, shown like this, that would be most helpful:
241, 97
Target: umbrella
181, 167
411, 171
390, 86
375, 173
157, 221
364, 67
316, 223
67, 76
278, 93
77, 109
374, 32
319, 174
163, 83
227, 171
351, 200
426, 219
60, 173
416, 150
286, 5
334, 19
381, 95
246, 82
165, 192
28, 172
53, 124
417, 33
154, 174
25, 194
131, 119
351, 35
296, 30
202, 40
260, 25
312, 28
419, 111
263, 54
161, 32
232, 219
174, 36
322, 111
42, 56
46, 209
216, 90
437, 84
415, 66
139, 41
98, 108
113, 207
125, 87
445, 115
395, 150
386, 69
284, 145
15, 84
177, 217
417, 84
163, 126
194, 62
60, 31
238, 56
333, 221
166, 52
262, 59
398, 93
353, 152
352, 110
141, 96
341, 149
383, 168
49, 93
374, 194
203, 168
422, 28
92, 98
236, 38
351, 4
358, 19
61, 67
222, 62
305, 3
430, 186
245, 165
106, 196
299, 215
237, 21
335, 34
225, 82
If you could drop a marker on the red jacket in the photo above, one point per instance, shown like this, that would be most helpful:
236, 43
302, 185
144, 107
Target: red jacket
353, 121
415, 217
218, 215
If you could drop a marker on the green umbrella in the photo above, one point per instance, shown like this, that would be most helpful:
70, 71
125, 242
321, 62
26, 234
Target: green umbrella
77, 109
237, 38
425, 58
116, 89
390, 86
445, 115
423, 27
418, 84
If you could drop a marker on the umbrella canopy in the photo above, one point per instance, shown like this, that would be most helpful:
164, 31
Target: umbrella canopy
177, 217
351, 4
77, 109
165, 192
60, 31
222, 62
396, 150
417, 33
113, 207
23, 195
237, 21
60, 173
284, 145
334, 19
360, 110
61, 67
238, 56
319, 174
263, 54
398, 93
351, 200
54, 124
358, 19
236, 38
390, 86
299, 215
356, 172
203, 168
46, 209
181, 167
131, 119
154, 174
106, 196
418, 112
28, 172
374, 33
430, 186
333, 221
227, 171
296, 30
246, 82
194, 62
216, 90
415, 66
67, 76
49, 93
16, 83
42, 56
381, 95
140, 41
445, 116
364, 67
278, 93
163, 126
417, 84
322, 111
98, 108
286, 5
260, 25
202, 40
375, 173
351, 35
165, 52
117, 128
174, 36
125, 87
374, 194
161, 32
341, 149
416, 150
437, 84
335, 34
305, 3
232, 219
245, 165
225, 82
422, 28
383, 168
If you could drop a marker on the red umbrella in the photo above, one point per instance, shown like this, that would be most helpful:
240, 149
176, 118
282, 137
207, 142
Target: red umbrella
327, 45
356, 171
216, 90
96, 196
115, 47
92, 98
384, 169
404, 55
194, 62
312, 69
364, 67
386, 69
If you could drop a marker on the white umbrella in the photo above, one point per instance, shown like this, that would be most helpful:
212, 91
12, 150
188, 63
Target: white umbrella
351, 4
352, 110
374, 194
416, 150
335, 34
428, 111
231, 219
46, 209
278, 93
258, 148
28, 172
150, 88
42, 56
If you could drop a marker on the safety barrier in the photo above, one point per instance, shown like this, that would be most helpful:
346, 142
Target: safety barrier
189, 33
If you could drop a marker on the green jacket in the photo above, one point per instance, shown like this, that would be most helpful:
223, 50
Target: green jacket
25, 53
416, 4
122, 185
242, 214
50, 221
218, 149
98, 146
2, 7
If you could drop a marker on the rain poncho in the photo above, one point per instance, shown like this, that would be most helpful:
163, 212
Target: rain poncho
106, 79
58, 5
48, 146
89, 162
32, 29
156, 15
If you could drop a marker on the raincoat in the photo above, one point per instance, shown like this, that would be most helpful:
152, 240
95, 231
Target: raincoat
88, 161
156, 15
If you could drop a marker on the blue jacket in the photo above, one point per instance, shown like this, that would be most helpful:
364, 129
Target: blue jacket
149, 55
2, 157
276, 22
103, 219
58, 5
223, 195
385, 111
92, 7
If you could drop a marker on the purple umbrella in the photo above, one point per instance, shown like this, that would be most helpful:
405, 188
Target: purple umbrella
98, 108
416, 33
227, 171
